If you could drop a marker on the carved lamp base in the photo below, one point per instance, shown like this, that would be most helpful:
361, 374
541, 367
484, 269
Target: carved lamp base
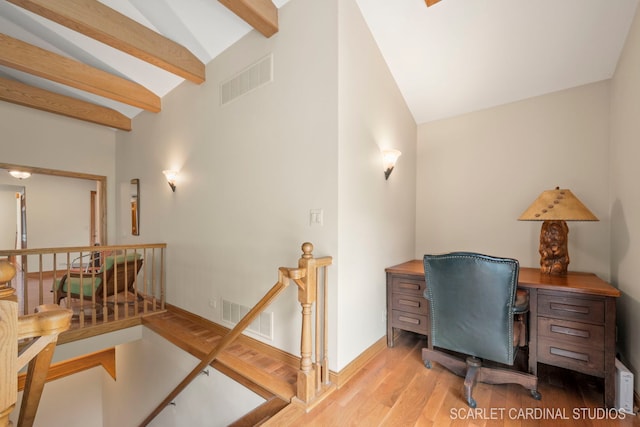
554, 254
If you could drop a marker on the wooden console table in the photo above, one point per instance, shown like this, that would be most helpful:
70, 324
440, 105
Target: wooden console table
572, 318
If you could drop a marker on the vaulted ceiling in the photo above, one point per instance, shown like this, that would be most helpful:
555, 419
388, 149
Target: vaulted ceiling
105, 61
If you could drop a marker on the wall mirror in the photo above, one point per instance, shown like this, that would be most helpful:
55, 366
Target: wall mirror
135, 206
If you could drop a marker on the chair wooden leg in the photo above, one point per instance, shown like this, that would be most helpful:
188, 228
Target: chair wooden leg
452, 363
474, 366
473, 372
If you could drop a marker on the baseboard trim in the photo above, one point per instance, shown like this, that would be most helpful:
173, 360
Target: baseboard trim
105, 358
346, 373
337, 378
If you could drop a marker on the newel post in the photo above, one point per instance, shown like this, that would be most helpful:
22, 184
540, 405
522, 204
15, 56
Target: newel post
8, 343
306, 297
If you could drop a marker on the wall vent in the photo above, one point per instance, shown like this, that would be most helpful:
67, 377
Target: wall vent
251, 78
232, 313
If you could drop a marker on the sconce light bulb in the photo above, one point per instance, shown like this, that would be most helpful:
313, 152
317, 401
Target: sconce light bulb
389, 159
171, 176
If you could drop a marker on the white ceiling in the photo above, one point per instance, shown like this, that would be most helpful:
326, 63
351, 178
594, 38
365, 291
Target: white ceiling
454, 57
460, 56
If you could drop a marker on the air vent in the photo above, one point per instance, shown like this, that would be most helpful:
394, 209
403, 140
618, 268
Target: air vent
232, 313
251, 78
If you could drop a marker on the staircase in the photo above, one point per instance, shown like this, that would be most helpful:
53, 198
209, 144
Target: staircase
267, 371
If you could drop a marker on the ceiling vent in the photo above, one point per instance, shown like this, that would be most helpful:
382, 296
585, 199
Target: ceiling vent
251, 78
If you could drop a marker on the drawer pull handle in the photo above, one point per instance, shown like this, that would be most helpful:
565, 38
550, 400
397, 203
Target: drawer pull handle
569, 331
408, 303
570, 354
411, 286
570, 308
409, 320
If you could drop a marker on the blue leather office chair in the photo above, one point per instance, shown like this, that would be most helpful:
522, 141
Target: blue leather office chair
473, 311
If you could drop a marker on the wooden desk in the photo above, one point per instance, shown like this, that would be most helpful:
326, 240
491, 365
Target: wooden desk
572, 318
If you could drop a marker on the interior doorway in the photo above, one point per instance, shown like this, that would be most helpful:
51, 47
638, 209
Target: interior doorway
97, 200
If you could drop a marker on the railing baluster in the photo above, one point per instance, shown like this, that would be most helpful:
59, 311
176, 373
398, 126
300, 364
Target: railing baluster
162, 278
56, 278
325, 307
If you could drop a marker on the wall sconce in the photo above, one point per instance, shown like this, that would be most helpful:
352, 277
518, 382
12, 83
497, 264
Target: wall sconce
20, 174
171, 176
389, 159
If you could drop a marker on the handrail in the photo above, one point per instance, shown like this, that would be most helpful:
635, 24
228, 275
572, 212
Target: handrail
132, 287
313, 378
281, 284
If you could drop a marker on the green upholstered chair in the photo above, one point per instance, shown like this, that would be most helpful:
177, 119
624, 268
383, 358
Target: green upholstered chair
474, 312
117, 274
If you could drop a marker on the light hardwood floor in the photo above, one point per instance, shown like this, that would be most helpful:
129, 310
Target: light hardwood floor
395, 389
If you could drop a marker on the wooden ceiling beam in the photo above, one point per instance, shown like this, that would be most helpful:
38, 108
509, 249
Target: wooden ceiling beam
29, 96
31, 59
95, 20
260, 14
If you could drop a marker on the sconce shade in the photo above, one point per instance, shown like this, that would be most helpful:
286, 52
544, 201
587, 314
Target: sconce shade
389, 159
20, 174
171, 176
555, 207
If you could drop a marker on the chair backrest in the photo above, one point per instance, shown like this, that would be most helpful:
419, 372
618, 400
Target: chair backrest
121, 272
471, 299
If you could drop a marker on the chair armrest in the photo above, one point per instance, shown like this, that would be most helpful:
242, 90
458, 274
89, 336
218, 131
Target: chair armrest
84, 272
522, 301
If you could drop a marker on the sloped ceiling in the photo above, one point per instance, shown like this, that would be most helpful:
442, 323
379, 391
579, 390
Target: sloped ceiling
192, 32
459, 56
454, 57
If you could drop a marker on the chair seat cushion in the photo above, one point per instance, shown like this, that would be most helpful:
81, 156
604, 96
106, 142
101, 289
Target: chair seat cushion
87, 283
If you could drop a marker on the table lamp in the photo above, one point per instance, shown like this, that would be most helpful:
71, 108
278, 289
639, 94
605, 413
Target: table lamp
555, 207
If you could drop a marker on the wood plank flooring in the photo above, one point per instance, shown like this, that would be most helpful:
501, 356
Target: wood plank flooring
395, 389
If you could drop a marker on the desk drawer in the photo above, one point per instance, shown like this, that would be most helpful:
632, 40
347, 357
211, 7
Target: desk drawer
408, 286
410, 303
585, 334
410, 322
571, 308
579, 358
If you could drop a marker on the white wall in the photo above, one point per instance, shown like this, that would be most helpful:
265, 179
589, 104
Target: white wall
624, 207
250, 171
58, 210
8, 215
376, 216
478, 172
149, 369
35, 138
73, 401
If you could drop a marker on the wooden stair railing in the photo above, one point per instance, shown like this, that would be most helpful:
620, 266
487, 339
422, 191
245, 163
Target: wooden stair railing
284, 275
313, 378
42, 329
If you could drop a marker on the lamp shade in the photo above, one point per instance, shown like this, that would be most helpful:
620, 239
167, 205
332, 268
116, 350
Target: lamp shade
557, 205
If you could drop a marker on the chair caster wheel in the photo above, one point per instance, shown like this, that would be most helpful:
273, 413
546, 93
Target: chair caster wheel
427, 364
536, 394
